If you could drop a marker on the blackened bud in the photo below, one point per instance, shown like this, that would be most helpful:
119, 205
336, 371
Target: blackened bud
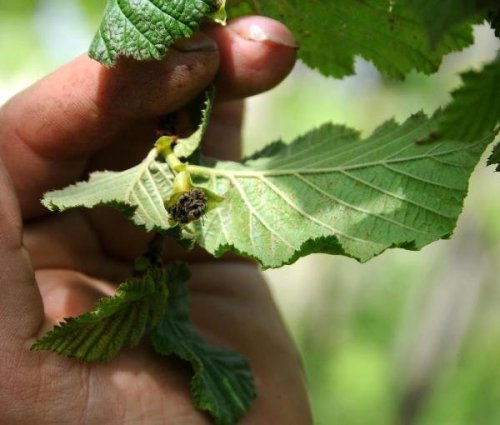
189, 206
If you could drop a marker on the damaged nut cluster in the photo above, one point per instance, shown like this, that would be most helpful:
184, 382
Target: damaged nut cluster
189, 206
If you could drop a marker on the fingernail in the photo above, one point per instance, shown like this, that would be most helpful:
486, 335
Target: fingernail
197, 43
265, 30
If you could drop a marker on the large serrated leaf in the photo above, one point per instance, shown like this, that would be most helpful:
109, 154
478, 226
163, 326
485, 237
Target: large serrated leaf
139, 192
331, 192
144, 29
475, 108
326, 192
391, 34
222, 383
116, 322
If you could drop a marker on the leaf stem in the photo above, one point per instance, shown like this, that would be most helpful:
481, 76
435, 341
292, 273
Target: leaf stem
164, 148
199, 170
153, 257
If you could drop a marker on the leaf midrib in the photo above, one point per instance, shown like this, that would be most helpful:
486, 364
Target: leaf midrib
256, 173
383, 141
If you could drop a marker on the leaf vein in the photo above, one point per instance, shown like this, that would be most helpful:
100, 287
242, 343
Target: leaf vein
421, 179
307, 215
256, 213
134, 26
169, 15
393, 195
361, 210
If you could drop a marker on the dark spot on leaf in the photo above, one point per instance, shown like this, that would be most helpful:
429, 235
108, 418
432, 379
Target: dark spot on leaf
190, 206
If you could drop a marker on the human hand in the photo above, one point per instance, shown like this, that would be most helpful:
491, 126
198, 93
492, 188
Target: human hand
55, 266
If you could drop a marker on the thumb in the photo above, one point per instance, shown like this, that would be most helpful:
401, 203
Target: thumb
21, 308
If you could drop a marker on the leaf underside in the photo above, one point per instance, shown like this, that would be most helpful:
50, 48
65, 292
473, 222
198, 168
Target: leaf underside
116, 322
222, 383
144, 29
331, 192
391, 34
138, 192
326, 192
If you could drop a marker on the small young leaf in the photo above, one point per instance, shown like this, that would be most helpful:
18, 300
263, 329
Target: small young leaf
330, 34
116, 322
144, 29
139, 192
331, 192
475, 109
222, 383
184, 148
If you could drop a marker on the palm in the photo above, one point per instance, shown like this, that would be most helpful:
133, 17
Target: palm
222, 293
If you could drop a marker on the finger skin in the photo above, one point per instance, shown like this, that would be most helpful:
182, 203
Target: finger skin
232, 304
77, 109
21, 311
223, 136
250, 48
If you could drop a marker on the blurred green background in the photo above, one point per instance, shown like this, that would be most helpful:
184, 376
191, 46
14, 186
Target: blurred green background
408, 338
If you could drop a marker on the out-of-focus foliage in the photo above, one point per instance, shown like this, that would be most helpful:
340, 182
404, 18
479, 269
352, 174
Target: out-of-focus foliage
408, 338
363, 334
28, 30
475, 108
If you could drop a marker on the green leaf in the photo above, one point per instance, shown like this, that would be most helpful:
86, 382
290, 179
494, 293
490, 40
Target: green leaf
441, 16
331, 192
222, 383
327, 192
144, 29
116, 322
391, 34
184, 148
139, 192
475, 109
